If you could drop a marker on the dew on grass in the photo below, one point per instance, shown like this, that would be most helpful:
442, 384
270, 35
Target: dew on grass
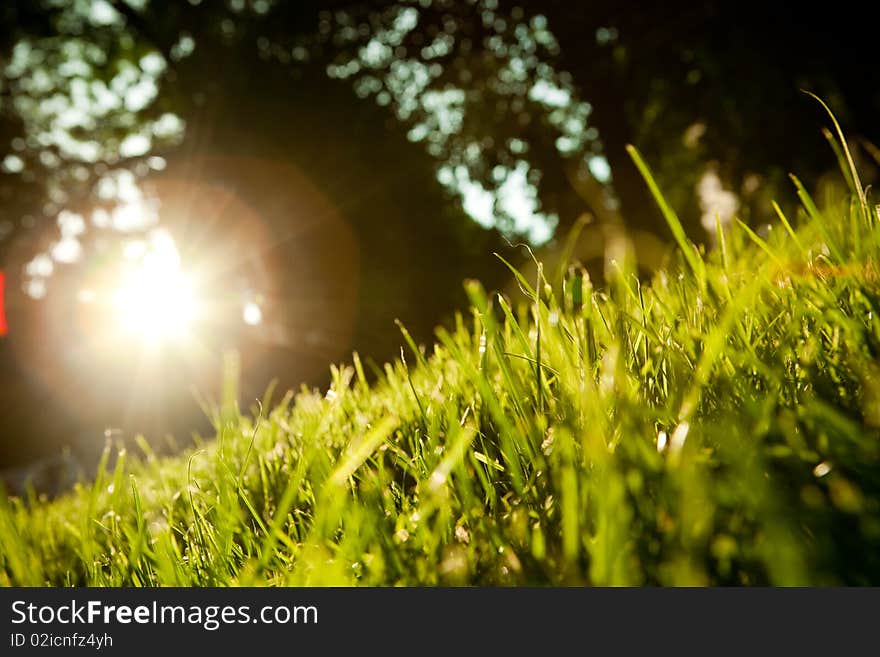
661, 441
437, 479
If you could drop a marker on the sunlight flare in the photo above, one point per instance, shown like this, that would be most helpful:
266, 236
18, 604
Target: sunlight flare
155, 299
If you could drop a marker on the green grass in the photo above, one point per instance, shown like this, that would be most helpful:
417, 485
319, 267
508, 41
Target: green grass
719, 424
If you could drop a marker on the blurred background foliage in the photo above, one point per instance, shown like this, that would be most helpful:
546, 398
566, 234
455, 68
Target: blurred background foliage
386, 149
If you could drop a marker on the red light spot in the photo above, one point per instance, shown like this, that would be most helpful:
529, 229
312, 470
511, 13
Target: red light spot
2, 311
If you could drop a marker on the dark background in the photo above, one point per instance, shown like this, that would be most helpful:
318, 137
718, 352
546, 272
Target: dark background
555, 616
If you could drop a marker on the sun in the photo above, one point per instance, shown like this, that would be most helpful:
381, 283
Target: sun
154, 299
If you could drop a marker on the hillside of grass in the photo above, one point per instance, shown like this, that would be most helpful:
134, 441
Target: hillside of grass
719, 424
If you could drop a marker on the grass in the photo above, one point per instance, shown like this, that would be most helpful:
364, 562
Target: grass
719, 424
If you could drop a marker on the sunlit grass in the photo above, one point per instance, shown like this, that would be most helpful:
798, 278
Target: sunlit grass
716, 425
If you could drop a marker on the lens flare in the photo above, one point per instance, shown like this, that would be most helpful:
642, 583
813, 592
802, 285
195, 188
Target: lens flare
155, 300
252, 314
